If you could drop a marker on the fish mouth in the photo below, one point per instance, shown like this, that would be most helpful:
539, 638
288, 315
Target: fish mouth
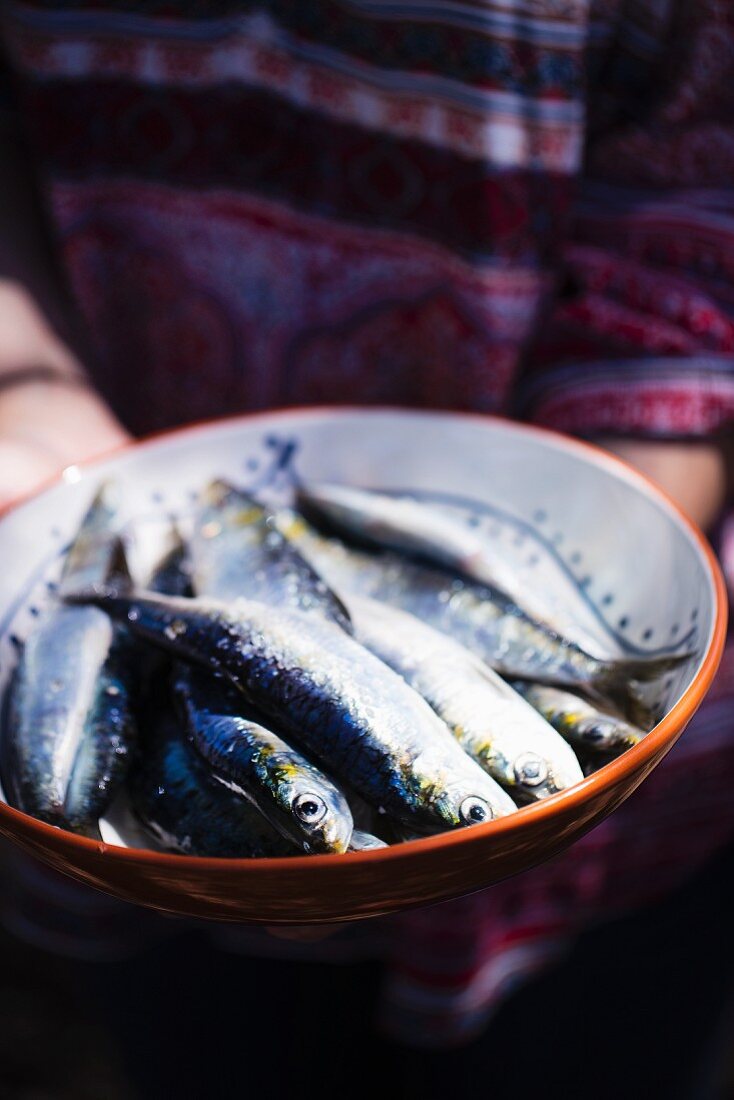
535, 779
335, 841
316, 825
531, 771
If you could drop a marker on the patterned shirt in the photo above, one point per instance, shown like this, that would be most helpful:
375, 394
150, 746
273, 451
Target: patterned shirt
501, 205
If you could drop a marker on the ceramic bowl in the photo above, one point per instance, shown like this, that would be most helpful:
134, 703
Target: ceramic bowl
633, 574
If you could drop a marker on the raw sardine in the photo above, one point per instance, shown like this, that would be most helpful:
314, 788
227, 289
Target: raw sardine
578, 720
479, 617
248, 758
491, 722
187, 811
68, 725
237, 551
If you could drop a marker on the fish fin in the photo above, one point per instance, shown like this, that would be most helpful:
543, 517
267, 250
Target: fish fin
103, 506
89, 555
118, 573
631, 708
171, 575
615, 680
639, 713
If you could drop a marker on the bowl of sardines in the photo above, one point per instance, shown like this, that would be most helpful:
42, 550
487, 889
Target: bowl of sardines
322, 665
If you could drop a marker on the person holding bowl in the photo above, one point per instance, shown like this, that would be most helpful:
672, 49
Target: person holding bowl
522, 210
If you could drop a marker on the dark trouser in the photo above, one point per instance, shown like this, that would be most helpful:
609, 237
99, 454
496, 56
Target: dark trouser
632, 1013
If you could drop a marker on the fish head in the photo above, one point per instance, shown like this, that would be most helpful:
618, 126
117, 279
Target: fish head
469, 797
319, 812
604, 733
537, 775
457, 809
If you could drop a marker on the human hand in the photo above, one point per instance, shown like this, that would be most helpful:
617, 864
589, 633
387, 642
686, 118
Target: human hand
694, 474
47, 420
46, 426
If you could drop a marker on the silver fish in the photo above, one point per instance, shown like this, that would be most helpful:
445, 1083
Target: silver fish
185, 810
394, 523
233, 753
430, 532
491, 722
349, 710
245, 756
581, 722
479, 617
237, 551
96, 551
68, 726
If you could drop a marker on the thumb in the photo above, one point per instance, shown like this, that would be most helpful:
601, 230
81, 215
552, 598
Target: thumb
23, 468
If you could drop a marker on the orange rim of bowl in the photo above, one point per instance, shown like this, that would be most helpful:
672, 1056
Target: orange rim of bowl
606, 777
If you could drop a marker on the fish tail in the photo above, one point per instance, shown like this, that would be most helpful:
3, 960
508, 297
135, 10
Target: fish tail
94, 546
175, 624
103, 507
118, 575
616, 681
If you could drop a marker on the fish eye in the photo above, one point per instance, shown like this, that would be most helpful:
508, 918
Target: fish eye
309, 808
530, 770
473, 811
597, 731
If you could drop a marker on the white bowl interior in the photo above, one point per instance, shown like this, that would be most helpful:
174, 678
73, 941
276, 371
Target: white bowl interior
614, 558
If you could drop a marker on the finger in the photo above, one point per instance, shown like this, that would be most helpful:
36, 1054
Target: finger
22, 469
